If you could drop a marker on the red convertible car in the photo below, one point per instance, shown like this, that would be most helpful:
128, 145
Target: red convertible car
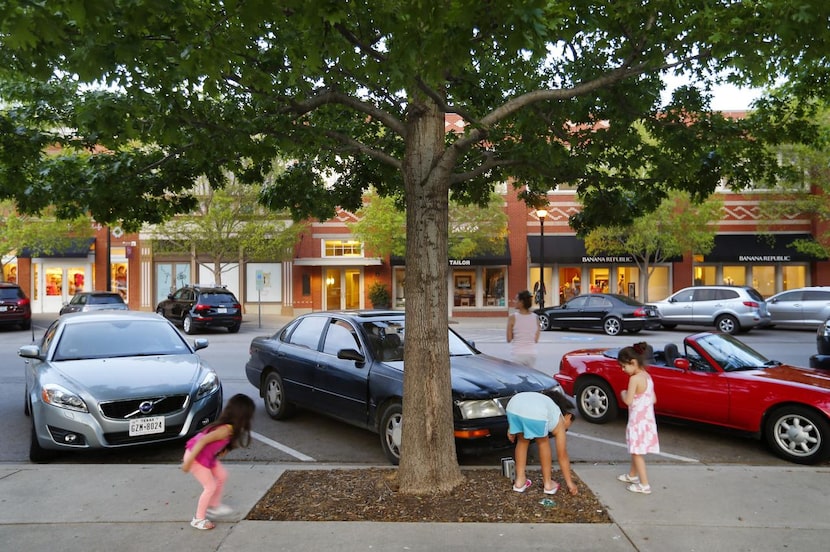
715, 379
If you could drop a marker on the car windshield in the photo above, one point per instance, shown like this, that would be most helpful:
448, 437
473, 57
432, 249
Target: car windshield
216, 299
731, 354
118, 338
105, 299
386, 339
9, 293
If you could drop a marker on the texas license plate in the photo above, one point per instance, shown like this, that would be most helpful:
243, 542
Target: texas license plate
222, 310
146, 426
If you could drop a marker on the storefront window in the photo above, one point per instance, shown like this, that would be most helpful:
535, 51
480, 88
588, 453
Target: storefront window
794, 276
54, 281
705, 276
399, 297
569, 283
170, 277
659, 285
119, 279
77, 275
464, 290
10, 273
734, 275
35, 281
599, 280
494, 287
763, 279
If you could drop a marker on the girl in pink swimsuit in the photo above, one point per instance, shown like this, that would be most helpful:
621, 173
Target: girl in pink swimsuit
641, 431
201, 457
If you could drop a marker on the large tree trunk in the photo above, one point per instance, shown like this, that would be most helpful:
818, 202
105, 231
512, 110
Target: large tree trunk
428, 457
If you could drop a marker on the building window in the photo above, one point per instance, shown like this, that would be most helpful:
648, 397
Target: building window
341, 248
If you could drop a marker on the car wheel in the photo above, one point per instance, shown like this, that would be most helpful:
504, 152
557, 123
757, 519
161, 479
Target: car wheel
234, 328
37, 453
596, 401
26, 410
612, 325
26, 325
187, 325
544, 322
798, 434
728, 324
390, 431
668, 326
274, 397
635, 331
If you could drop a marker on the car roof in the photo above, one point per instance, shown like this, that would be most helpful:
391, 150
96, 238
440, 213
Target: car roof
101, 293
363, 315
110, 316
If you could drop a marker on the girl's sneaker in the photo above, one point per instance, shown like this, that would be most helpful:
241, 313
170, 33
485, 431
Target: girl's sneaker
639, 488
202, 524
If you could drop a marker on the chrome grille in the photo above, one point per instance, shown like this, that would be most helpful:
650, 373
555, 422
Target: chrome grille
162, 405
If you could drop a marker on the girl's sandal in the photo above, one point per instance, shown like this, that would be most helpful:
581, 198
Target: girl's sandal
202, 524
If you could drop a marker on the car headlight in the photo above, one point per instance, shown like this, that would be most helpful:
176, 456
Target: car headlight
485, 408
62, 398
209, 385
824, 329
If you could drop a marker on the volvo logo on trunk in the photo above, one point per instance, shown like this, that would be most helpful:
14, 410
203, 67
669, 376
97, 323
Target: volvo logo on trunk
146, 407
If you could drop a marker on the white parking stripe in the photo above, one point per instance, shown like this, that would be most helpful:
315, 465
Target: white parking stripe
623, 445
288, 450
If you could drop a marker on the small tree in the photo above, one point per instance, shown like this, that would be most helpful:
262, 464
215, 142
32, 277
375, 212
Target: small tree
43, 234
227, 227
676, 227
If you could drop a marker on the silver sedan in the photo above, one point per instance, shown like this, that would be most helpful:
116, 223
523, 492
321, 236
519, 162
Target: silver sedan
115, 379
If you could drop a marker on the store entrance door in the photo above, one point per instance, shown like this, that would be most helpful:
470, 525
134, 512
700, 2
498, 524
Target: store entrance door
342, 288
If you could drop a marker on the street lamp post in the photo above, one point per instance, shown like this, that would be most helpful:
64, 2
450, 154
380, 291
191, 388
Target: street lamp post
541, 213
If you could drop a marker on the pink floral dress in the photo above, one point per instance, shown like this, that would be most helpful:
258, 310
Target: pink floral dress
641, 431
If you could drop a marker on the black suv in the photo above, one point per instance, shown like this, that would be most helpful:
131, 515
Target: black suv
14, 306
195, 307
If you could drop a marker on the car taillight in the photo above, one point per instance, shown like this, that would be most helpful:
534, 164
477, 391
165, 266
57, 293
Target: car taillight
640, 312
237, 306
201, 308
22, 302
751, 304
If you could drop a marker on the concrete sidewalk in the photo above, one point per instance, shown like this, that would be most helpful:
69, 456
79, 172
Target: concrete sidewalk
148, 507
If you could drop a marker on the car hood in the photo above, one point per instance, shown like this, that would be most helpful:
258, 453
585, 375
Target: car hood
795, 375
483, 376
119, 378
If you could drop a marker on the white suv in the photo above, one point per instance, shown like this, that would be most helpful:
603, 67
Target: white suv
731, 309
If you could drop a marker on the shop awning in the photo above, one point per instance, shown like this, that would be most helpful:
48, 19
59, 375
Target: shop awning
757, 248
571, 250
487, 259
74, 248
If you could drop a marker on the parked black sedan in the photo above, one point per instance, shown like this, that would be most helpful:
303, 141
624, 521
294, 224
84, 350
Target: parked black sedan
609, 311
349, 365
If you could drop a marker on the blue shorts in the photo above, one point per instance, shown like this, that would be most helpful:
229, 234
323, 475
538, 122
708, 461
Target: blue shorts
527, 426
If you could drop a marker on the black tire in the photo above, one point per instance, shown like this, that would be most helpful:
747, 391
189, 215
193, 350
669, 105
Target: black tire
668, 326
38, 454
612, 325
26, 324
544, 322
635, 331
187, 325
728, 324
389, 428
595, 401
26, 410
234, 328
798, 434
274, 397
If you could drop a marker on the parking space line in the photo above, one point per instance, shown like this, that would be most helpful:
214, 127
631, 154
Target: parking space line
288, 450
623, 445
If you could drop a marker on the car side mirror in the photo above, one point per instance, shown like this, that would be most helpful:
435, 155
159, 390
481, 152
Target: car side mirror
170, 296
682, 363
200, 343
350, 354
30, 351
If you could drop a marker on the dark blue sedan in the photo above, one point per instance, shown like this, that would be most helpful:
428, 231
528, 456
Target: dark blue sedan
349, 365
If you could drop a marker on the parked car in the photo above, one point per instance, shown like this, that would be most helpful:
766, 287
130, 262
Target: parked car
198, 307
731, 309
715, 379
611, 312
349, 365
15, 308
800, 308
113, 379
87, 301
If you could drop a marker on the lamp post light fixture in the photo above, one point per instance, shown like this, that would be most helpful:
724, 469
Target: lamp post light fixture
540, 293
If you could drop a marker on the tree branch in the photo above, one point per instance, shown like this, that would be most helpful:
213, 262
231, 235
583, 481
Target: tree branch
334, 97
353, 145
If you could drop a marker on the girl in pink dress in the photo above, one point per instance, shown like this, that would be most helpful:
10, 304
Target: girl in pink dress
201, 457
641, 431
